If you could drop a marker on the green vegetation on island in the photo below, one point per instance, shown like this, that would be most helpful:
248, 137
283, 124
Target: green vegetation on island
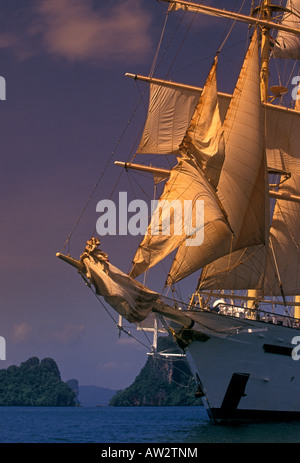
35, 383
161, 382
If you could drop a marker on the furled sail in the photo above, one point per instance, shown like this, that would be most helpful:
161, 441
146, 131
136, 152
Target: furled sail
242, 187
128, 297
287, 45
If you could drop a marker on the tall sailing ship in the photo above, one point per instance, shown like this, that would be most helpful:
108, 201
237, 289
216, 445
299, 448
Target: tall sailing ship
238, 159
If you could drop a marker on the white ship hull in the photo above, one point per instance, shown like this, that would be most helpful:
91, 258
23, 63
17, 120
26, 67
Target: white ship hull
249, 374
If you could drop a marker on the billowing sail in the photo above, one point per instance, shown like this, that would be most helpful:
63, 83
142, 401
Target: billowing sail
287, 45
242, 187
202, 156
273, 268
179, 216
240, 270
168, 113
204, 139
283, 153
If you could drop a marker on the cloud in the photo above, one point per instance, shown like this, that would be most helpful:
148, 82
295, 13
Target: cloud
114, 366
21, 332
18, 43
69, 334
78, 31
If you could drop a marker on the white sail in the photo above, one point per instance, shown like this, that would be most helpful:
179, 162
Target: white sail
287, 45
242, 187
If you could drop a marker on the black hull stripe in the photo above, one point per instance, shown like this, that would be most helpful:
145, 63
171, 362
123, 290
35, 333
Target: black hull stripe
275, 349
219, 414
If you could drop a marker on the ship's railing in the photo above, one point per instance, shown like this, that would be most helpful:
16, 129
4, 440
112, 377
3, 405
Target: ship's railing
233, 309
258, 314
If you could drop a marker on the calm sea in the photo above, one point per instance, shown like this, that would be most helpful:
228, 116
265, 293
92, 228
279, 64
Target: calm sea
133, 425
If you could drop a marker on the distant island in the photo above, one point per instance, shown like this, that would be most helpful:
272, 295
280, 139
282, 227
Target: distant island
35, 383
161, 382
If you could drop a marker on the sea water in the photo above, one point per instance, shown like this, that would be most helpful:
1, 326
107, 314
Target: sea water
186, 425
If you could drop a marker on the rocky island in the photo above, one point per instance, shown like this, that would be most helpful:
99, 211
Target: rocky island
35, 383
161, 382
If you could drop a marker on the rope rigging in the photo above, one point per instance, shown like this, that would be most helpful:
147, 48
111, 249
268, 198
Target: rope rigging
154, 67
163, 355
102, 174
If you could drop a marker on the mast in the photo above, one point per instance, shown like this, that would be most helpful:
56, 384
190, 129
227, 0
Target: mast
253, 301
266, 14
297, 297
297, 308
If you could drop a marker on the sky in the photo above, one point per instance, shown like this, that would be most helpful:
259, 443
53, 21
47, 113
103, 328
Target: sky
68, 114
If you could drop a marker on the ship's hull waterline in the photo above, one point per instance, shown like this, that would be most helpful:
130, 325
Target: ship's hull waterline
245, 368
